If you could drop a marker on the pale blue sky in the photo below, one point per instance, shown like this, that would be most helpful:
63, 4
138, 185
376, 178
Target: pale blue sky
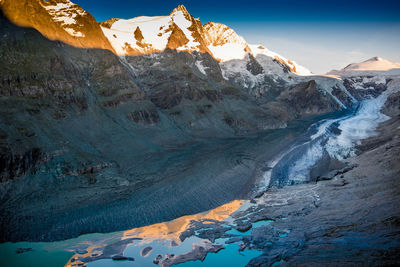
325, 46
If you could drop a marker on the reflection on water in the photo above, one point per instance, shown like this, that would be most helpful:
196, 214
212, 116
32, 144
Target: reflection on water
171, 230
159, 239
141, 246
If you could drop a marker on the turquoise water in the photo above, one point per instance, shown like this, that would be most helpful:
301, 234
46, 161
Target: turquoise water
49, 254
284, 234
254, 225
39, 256
58, 253
159, 247
111, 263
277, 263
230, 256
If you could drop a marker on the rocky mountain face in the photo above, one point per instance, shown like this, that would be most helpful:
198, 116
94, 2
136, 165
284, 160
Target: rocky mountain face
182, 32
154, 119
59, 20
179, 31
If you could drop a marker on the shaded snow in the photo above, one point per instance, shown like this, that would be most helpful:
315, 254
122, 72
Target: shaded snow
258, 50
201, 67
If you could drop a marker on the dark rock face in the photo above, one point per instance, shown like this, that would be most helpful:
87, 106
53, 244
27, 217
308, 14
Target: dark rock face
305, 99
342, 96
392, 105
168, 98
145, 117
12, 166
361, 89
253, 66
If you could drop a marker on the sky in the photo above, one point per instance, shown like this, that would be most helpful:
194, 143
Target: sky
320, 35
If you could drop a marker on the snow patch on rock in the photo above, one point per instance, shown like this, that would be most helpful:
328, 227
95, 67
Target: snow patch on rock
201, 67
65, 13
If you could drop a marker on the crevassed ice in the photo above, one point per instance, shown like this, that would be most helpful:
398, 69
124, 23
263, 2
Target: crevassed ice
301, 169
358, 127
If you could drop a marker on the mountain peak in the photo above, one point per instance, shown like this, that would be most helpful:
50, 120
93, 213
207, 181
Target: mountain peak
371, 66
181, 8
375, 59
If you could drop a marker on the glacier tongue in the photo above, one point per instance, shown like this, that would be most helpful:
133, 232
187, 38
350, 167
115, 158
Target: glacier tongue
360, 126
335, 138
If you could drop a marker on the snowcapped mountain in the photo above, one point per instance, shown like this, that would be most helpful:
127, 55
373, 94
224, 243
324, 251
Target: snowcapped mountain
59, 20
144, 35
368, 78
182, 32
224, 43
372, 66
67, 22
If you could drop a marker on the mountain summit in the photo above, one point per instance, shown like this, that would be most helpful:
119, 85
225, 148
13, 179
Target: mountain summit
67, 22
179, 31
372, 66
182, 32
180, 8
